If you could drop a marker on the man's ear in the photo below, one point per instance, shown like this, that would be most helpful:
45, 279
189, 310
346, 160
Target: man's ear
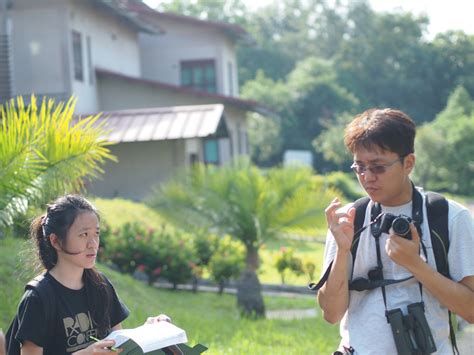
409, 162
53, 238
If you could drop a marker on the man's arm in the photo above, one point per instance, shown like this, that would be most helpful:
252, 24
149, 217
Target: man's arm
458, 297
333, 297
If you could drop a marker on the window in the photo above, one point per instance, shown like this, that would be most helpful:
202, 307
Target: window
199, 74
77, 56
211, 151
89, 60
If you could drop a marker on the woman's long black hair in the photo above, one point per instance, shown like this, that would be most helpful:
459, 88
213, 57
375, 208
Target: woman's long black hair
59, 217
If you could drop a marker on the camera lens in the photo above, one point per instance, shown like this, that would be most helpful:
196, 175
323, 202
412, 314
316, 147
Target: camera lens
401, 226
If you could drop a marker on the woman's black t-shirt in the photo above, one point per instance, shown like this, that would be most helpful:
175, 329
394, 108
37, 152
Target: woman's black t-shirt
72, 323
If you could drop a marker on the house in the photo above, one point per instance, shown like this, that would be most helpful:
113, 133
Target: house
142, 69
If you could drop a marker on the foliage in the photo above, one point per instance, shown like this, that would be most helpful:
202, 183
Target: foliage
177, 253
346, 183
130, 244
43, 153
231, 11
445, 148
227, 262
308, 97
286, 260
309, 268
330, 142
205, 246
157, 253
241, 201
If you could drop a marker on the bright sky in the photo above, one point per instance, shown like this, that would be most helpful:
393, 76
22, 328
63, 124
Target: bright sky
444, 15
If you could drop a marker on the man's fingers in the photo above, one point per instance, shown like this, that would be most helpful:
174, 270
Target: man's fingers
414, 233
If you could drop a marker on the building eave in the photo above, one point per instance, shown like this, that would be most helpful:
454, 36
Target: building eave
247, 105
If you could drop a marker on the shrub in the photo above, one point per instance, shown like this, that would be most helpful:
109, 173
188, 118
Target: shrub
178, 257
309, 268
285, 260
133, 247
205, 246
227, 262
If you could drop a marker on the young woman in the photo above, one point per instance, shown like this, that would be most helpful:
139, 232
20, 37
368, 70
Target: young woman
86, 303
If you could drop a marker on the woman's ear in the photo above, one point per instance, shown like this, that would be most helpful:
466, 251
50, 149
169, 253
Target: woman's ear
53, 238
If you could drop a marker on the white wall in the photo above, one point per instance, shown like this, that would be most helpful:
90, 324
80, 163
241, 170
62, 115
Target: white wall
161, 54
40, 51
114, 47
43, 54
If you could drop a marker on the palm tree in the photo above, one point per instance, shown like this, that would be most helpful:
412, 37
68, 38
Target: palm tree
45, 151
241, 201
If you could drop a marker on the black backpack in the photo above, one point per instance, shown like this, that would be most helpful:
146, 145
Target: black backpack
43, 288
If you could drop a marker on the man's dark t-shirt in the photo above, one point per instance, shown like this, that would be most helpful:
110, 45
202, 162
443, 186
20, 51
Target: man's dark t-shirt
72, 324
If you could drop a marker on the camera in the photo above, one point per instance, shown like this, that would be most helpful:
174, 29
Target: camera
400, 225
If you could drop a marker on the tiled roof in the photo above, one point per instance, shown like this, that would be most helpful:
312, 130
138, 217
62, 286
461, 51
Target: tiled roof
164, 123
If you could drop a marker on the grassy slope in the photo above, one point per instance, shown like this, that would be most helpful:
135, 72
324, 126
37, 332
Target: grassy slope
207, 318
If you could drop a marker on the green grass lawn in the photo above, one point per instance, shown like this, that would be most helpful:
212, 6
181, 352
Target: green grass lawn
207, 317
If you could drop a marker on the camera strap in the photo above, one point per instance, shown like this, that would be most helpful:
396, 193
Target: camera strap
417, 217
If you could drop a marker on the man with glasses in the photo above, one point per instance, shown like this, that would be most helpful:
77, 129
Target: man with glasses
382, 144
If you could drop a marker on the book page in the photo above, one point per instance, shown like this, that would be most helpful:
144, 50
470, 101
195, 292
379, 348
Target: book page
150, 336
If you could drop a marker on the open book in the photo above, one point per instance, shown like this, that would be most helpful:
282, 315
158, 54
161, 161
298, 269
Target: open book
148, 337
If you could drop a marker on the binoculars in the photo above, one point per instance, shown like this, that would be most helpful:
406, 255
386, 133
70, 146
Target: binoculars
411, 332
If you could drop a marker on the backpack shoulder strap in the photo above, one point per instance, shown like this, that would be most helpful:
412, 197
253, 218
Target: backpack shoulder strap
42, 285
361, 207
44, 290
437, 210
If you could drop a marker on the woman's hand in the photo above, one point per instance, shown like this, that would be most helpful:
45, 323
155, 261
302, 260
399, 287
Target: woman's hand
101, 347
158, 318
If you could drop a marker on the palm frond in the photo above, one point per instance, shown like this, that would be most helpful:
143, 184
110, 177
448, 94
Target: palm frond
43, 153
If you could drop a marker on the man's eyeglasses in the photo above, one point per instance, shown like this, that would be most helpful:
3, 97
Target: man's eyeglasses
376, 169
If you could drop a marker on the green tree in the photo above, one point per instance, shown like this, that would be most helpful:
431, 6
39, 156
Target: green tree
386, 60
444, 147
241, 201
44, 152
308, 98
330, 142
231, 11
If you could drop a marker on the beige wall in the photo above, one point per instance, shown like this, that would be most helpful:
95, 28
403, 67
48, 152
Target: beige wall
120, 94
141, 165
161, 55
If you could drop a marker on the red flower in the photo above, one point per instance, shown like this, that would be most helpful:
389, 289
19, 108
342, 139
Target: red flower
157, 271
141, 268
